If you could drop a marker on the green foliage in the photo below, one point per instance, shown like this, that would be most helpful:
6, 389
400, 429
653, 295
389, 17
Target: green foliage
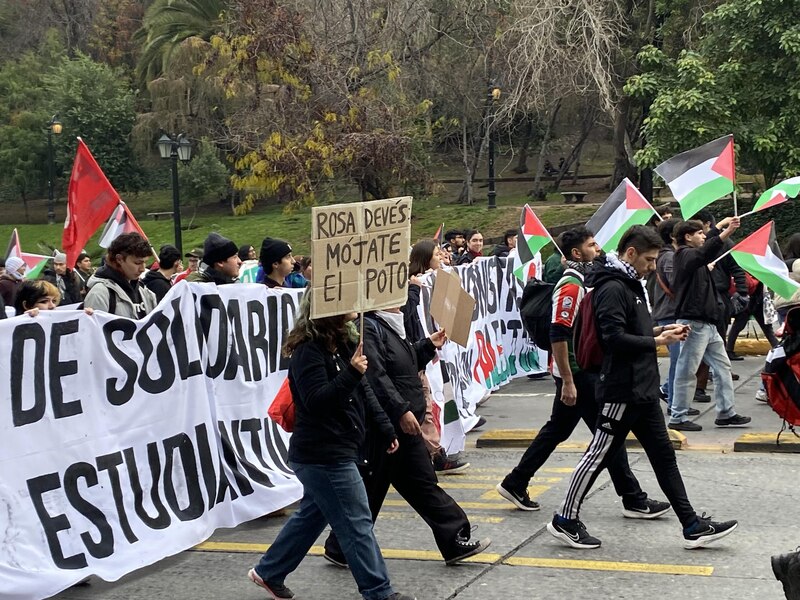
204, 175
25, 109
743, 78
95, 103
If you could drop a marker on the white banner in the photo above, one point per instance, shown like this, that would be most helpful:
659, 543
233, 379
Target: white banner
128, 441
499, 349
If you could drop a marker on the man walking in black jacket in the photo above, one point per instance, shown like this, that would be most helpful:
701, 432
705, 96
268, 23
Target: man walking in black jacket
698, 306
628, 392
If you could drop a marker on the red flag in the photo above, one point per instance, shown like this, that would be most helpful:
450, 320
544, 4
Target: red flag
91, 200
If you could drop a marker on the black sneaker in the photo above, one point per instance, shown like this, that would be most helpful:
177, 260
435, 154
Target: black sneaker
521, 501
786, 568
481, 422
706, 531
463, 548
701, 396
734, 421
448, 465
650, 509
335, 559
692, 412
734, 356
276, 591
572, 532
685, 426
399, 596
663, 394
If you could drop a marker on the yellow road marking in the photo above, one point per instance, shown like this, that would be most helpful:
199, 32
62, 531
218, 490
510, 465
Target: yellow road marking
505, 471
475, 505
486, 558
602, 565
489, 478
393, 515
533, 491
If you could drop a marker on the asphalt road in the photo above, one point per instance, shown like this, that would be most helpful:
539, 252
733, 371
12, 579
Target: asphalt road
637, 560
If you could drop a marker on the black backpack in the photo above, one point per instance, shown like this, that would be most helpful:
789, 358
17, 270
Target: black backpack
536, 309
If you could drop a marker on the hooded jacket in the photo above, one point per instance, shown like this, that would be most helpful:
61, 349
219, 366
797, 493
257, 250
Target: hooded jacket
630, 369
131, 298
394, 366
72, 290
155, 281
696, 296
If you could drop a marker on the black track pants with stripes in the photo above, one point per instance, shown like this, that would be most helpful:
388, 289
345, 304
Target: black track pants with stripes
614, 423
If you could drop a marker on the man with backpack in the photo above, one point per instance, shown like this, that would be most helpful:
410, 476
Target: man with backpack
575, 392
628, 392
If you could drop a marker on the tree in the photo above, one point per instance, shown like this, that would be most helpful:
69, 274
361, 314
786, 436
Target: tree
743, 78
24, 111
96, 104
204, 175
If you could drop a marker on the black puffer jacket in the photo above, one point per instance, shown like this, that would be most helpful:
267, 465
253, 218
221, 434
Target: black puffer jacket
394, 366
630, 368
334, 407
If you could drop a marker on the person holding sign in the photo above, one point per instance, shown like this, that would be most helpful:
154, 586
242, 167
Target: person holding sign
334, 408
395, 364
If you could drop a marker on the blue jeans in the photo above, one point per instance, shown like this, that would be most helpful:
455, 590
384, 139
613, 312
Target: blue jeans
704, 344
332, 494
674, 352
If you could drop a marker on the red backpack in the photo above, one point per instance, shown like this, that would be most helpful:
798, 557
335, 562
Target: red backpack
586, 340
781, 374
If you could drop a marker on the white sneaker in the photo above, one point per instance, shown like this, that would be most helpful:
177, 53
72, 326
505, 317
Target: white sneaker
761, 396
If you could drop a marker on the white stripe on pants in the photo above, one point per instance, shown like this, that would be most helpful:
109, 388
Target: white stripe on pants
586, 472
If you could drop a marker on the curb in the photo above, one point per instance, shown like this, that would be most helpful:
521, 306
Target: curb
767, 442
521, 438
744, 347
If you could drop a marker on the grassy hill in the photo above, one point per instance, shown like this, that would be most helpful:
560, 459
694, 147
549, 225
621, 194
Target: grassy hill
295, 227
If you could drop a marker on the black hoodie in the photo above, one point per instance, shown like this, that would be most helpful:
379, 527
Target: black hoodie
630, 369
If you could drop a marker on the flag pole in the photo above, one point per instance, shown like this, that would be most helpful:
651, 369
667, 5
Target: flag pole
735, 203
720, 257
747, 214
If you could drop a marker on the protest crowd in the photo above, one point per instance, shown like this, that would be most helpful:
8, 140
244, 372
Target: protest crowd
364, 414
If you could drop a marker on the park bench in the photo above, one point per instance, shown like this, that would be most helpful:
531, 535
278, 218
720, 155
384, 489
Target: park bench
576, 197
657, 191
157, 215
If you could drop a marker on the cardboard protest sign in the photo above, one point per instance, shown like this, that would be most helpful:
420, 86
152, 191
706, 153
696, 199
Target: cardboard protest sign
360, 255
452, 307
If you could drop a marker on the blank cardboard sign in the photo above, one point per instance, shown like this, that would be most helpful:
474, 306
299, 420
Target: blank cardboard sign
452, 306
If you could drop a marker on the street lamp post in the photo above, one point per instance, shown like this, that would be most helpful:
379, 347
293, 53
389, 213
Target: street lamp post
174, 148
492, 96
53, 127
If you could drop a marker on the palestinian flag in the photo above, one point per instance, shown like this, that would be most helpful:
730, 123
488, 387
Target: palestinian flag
624, 208
438, 237
700, 176
532, 238
15, 249
36, 271
788, 188
121, 221
760, 255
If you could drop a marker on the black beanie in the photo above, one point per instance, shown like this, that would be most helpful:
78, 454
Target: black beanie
217, 248
272, 251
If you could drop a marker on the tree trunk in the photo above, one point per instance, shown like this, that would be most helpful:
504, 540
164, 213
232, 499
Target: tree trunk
466, 196
587, 124
537, 191
623, 166
527, 134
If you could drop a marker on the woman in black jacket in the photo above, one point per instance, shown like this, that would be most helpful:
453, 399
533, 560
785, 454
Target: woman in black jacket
333, 407
395, 364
